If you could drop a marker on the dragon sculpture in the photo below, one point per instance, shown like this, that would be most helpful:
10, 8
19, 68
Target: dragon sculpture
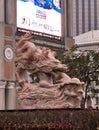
53, 88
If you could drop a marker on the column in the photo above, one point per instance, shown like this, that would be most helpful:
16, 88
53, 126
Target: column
70, 18
2, 95
10, 98
10, 12
2, 11
64, 17
9, 49
69, 42
2, 84
1, 37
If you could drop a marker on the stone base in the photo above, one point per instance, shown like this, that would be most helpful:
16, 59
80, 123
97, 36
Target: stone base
32, 96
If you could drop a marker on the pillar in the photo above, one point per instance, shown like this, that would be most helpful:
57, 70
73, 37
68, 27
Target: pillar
69, 41
2, 16
2, 95
70, 18
10, 98
2, 84
9, 49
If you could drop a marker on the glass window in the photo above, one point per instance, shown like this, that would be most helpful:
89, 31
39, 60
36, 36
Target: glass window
95, 14
83, 16
77, 17
89, 15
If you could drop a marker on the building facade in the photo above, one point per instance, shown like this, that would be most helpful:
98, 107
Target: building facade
78, 16
83, 23
85, 16
8, 41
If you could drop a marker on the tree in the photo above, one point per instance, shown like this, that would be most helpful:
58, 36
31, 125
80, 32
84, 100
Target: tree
81, 64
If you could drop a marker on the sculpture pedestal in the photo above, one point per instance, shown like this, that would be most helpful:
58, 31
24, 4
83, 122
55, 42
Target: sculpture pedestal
32, 96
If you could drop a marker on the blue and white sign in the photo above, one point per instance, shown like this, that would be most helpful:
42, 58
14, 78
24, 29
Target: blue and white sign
43, 17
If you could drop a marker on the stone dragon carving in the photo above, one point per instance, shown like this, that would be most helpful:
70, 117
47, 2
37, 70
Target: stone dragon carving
52, 87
